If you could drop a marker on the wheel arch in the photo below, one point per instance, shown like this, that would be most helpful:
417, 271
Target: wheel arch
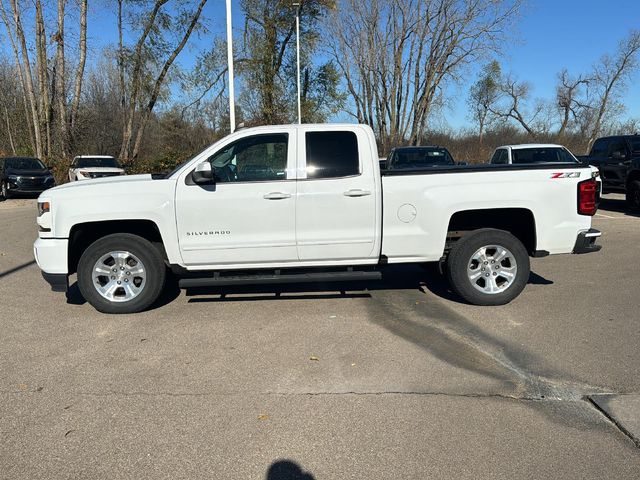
84, 234
520, 222
633, 175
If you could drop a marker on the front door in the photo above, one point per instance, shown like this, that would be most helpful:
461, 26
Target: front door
248, 216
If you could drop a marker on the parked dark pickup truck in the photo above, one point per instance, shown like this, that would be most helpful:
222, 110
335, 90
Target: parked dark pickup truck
403, 158
618, 159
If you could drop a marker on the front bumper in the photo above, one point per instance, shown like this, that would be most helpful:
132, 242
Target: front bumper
51, 256
29, 186
586, 242
59, 281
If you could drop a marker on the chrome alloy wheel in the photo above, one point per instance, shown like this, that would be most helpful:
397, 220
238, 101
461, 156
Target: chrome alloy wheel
492, 269
119, 276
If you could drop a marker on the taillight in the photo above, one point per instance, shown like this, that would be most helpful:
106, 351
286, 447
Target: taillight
588, 197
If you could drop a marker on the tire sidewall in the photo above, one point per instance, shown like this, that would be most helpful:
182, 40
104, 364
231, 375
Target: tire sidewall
461, 254
138, 246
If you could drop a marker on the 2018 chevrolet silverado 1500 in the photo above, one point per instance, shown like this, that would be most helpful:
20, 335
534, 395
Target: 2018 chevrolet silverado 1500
618, 159
302, 203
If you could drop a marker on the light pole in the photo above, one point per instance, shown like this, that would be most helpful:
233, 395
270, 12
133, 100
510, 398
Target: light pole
232, 107
297, 5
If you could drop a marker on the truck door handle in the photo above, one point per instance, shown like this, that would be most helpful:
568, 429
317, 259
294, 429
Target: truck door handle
357, 192
277, 196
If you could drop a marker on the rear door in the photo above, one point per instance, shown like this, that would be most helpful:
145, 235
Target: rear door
337, 212
615, 166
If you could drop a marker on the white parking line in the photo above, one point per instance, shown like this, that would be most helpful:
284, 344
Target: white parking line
605, 216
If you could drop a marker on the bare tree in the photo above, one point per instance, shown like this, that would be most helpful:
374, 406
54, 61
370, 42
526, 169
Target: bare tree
569, 99
484, 94
397, 56
513, 97
610, 77
44, 80
24, 63
141, 56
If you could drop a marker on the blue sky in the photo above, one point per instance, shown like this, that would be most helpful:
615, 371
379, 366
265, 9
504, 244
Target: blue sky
550, 35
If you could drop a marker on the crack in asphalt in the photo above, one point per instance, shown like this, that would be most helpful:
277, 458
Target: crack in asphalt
614, 422
451, 337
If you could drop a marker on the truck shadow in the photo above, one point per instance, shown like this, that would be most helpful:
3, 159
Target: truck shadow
396, 277
616, 205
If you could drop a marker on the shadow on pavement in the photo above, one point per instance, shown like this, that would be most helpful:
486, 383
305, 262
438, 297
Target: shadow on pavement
17, 269
616, 205
74, 297
396, 277
287, 470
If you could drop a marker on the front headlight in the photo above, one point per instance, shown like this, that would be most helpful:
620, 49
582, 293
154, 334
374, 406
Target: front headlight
43, 207
84, 173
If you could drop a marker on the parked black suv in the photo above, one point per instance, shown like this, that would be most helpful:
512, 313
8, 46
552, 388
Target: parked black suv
618, 159
23, 176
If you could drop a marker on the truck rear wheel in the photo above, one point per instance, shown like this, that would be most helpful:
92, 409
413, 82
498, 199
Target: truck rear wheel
633, 195
488, 267
121, 273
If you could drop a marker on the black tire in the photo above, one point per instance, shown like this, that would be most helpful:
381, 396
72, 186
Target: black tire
633, 195
461, 258
142, 249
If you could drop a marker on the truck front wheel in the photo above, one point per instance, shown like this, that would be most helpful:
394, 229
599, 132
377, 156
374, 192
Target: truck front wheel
488, 267
121, 273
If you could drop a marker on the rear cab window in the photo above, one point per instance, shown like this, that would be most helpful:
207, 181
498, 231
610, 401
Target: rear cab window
332, 154
541, 155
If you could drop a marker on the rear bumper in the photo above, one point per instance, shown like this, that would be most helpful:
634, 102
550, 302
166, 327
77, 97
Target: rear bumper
586, 242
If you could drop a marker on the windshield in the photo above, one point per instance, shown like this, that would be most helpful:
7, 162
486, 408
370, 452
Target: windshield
542, 155
90, 162
24, 164
420, 157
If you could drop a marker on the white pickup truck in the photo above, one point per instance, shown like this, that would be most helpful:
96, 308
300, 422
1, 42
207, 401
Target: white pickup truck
303, 203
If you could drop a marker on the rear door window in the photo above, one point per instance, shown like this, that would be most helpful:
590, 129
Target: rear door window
616, 145
332, 154
600, 148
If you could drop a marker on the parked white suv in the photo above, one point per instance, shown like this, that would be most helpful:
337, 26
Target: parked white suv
528, 153
85, 167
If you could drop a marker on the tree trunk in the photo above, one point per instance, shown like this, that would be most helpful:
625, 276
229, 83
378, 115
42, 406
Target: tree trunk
77, 90
6, 117
45, 107
60, 82
25, 100
28, 76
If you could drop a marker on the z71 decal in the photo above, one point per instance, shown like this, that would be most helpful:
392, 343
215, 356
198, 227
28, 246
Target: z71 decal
566, 175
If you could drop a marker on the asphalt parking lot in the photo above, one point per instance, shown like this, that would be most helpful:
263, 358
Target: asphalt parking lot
395, 379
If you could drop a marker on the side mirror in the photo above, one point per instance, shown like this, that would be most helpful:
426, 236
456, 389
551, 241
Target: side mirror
203, 174
618, 155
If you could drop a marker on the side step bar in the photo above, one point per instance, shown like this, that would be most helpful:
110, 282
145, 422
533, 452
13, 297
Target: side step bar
275, 278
